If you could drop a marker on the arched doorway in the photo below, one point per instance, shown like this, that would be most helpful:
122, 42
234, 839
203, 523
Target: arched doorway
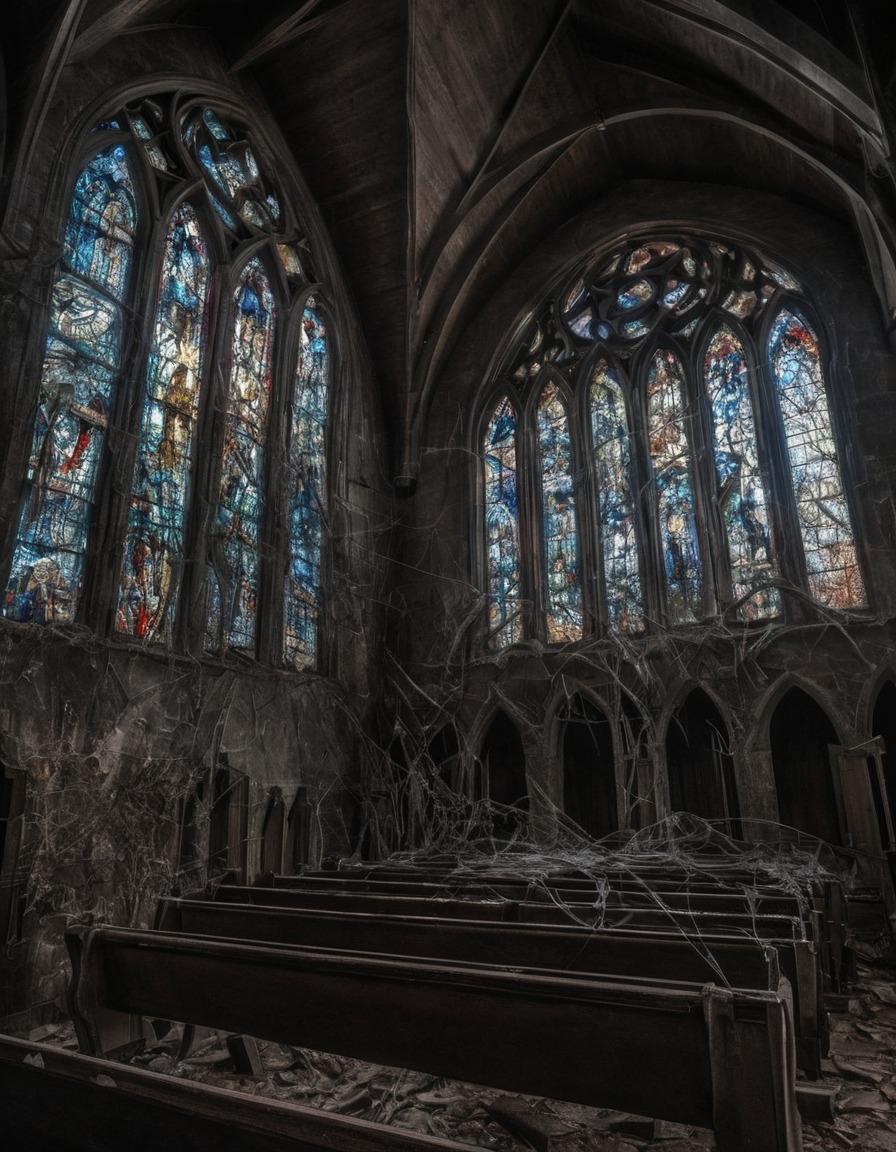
700, 764
504, 770
589, 768
800, 735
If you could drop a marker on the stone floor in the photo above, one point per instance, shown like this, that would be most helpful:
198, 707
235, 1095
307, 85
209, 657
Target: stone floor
862, 1066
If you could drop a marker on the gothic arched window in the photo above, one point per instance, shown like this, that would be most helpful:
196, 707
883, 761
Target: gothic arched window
689, 377
182, 318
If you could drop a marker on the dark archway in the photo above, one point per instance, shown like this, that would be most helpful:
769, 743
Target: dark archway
800, 735
700, 764
272, 830
589, 768
444, 754
504, 768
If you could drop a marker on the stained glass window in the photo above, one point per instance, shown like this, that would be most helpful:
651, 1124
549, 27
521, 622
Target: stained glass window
615, 500
740, 491
655, 340
234, 567
306, 488
831, 564
559, 527
502, 527
177, 498
80, 370
670, 454
155, 542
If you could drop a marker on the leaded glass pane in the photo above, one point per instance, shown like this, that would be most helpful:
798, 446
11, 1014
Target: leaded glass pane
615, 500
233, 577
306, 472
99, 235
670, 455
831, 564
740, 493
559, 527
236, 185
502, 527
154, 552
78, 378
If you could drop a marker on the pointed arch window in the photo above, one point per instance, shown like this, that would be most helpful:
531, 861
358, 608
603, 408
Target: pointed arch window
670, 457
740, 488
154, 546
181, 315
615, 502
559, 530
687, 371
502, 526
234, 569
307, 475
825, 527
81, 367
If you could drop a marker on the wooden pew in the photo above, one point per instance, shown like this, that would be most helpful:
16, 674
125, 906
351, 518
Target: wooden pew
741, 963
58, 1101
698, 919
623, 894
825, 896
696, 1055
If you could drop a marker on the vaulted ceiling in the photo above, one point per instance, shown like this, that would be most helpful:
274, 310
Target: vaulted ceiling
443, 139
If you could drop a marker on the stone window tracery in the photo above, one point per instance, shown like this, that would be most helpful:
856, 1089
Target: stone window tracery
671, 430
184, 318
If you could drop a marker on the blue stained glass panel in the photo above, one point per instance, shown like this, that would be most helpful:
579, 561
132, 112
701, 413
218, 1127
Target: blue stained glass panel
78, 378
502, 527
230, 163
234, 571
825, 526
559, 527
740, 493
307, 479
671, 458
154, 551
99, 234
615, 501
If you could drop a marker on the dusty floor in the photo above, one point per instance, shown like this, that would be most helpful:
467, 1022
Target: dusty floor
862, 1067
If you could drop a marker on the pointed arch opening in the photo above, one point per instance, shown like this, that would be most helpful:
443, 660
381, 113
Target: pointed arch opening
801, 735
700, 764
589, 768
503, 761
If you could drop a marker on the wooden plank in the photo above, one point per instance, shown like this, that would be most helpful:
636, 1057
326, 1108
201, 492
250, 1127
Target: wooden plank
625, 893
530, 912
56, 1099
432, 1017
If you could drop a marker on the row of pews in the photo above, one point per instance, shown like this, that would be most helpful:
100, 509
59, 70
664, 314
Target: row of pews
645, 989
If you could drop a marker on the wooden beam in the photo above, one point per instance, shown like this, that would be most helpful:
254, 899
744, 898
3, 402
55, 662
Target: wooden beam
289, 29
106, 28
